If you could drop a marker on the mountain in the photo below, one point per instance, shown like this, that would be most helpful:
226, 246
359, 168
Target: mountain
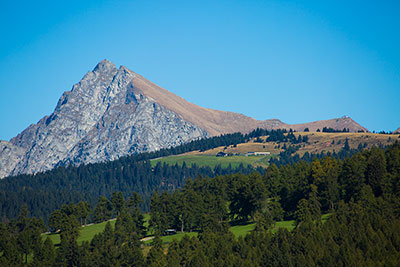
397, 131
338, 124
113, 112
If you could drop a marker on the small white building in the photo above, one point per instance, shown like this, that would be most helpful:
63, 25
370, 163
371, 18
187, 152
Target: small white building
257, 154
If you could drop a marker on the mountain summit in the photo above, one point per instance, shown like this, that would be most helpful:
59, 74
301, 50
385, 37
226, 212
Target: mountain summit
113, 112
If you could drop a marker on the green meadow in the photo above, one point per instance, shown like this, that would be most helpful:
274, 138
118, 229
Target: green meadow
212, 160
88, 232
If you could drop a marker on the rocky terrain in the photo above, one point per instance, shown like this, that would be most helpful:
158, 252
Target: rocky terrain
113, 112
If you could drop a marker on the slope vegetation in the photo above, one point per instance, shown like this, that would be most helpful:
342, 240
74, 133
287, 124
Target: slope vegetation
317, 142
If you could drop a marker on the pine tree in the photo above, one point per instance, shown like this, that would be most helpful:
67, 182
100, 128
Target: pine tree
68, 253
156, 256
83, 211
376, 171
103, 210
118, 202
45, 254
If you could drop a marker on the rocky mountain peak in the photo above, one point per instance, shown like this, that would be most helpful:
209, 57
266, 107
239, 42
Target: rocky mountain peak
104, 66
103, 117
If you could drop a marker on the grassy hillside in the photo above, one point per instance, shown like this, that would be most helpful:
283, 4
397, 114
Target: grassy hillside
212, 161
88, 232
317, 142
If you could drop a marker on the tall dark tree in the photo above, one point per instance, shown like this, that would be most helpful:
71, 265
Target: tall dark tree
158, 217
29, 230
118, 202
328, 187
156, 256
248, 194
68, 253
376, 171
45, 254
134, 200
272, 179
83, 211
352, 176
103, 210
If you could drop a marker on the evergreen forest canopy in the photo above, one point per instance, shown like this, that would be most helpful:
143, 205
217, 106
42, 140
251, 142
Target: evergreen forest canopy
361, 194
45, 192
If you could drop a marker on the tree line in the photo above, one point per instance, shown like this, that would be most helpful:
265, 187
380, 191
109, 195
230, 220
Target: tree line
361, 194
45, 192
287, 156
279, 193
331, 130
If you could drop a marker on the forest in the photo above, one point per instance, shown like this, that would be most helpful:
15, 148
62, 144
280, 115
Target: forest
360, 193
45, 192
287, 156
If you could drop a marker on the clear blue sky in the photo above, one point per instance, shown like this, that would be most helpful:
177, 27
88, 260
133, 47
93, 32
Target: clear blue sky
298, 61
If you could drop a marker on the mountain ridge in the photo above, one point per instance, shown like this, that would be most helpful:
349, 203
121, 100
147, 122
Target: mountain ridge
113, 112
211, 119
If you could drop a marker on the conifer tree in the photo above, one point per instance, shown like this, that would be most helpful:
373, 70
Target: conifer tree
103, 210
118, 202
156, 256
45, 254
83, 211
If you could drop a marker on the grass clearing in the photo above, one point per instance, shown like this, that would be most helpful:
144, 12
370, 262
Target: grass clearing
325, 217
212, 160
85, 234
284, 224
241, 148
88, 232
242, 230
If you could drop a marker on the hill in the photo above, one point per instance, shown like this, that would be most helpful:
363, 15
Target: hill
317, 142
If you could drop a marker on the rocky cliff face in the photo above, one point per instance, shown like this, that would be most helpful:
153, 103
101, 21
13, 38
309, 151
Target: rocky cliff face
115, 112
102, 118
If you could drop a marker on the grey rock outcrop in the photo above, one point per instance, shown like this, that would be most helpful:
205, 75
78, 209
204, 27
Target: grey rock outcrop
10, 155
